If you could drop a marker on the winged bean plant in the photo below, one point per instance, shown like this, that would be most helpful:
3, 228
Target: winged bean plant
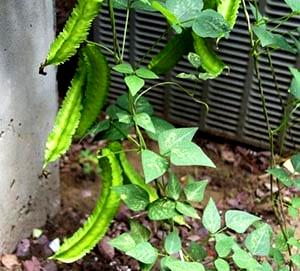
241, 241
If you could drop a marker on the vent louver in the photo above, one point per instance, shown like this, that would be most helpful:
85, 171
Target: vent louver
233, 98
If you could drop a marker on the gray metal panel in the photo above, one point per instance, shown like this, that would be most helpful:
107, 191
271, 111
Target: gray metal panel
233, 98
255, 125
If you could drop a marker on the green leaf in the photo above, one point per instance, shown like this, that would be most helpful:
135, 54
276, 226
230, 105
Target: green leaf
223, 244
123, 68
144, 120
280, 242
123, 242
296, 260
156, 5
189, 154
143, 252
266, 267
195, 60
189, 76
153, 164
277, 256
136, 198
173, 188
113, 110
293, 4
187, 210
294, 242
124, 117
162, 209
121, 4
134, 84
281, 175
146, 73
122, 102
138, 5
243, 260
258, 241
172, 242
211, 24
138, 232
295, 202
295, 159
293, 212
269, 39
179, 219
143, 106
185, 10
211, 219
257, 15
143, 266
177, 265
99, 127
117, 131
196, 251
160, 126
239, 221
194, 191
221, 265
295, 91
168, 139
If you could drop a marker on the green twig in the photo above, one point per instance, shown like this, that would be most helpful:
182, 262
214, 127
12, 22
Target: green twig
117, 53
101, 46
125, 29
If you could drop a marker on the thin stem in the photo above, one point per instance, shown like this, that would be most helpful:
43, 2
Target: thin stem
125, 29
278, 211
101, 46
191, 94
284, 19
274, 77
114, 30
248, 23
152, 47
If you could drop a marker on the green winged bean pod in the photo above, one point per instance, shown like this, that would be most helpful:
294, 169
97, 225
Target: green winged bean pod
210, 62
67, 119
173, 51
84, 240
135, 178
74, 33
97, 86
229, 10
210, 4
130, 173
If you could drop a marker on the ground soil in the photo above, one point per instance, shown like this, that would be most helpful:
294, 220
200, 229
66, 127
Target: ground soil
238, 182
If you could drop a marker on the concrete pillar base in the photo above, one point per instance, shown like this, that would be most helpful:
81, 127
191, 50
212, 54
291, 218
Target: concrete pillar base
28, 107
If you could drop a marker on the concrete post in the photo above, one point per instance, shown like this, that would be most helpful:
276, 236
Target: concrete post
27, 109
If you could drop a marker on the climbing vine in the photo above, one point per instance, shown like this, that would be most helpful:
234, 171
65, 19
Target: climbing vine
242, 241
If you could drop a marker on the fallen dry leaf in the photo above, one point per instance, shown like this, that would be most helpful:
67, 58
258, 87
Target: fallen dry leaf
10, 261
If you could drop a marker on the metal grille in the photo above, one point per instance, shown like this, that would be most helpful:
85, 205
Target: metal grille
233, 98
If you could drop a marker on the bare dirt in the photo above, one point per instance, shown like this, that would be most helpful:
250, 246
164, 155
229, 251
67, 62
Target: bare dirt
238, 182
